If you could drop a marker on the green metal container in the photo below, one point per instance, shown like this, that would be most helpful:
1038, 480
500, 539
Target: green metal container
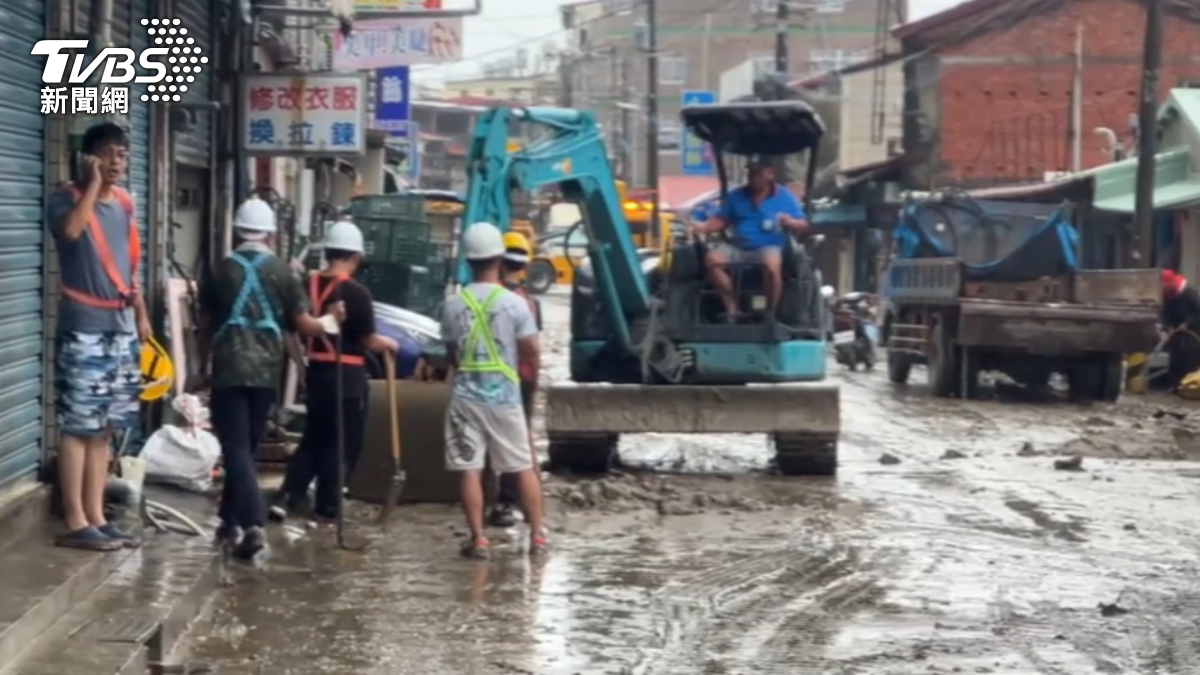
388, 206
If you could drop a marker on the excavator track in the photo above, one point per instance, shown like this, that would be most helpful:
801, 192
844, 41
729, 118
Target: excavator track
799, 454
583, 453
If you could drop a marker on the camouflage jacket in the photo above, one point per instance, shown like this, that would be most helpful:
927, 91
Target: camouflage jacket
245, 356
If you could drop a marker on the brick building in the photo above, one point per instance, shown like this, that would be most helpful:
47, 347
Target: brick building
988, 84
697, 41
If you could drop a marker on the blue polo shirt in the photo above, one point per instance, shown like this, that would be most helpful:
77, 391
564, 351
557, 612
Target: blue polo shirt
748, 219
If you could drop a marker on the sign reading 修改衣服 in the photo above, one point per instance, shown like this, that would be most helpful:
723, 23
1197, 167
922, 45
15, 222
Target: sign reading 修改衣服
391, 101
309, 115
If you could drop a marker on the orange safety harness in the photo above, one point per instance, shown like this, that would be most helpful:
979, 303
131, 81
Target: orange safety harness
127, 291
327, 353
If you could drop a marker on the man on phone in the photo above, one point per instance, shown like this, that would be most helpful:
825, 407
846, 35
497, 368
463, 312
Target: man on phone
102, 320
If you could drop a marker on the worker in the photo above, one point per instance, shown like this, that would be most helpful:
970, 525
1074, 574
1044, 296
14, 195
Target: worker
101, 321
759, 215
316, 456
489, 331
251, 299
1181, 327
517, 254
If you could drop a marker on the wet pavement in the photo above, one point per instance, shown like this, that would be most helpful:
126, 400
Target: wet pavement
954, 540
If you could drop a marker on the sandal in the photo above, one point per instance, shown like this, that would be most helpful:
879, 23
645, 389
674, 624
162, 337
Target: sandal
88, 539
478, 549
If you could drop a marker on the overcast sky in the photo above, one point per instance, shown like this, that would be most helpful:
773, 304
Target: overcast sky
506, 26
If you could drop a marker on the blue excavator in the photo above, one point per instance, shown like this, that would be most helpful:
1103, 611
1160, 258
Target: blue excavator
650, 352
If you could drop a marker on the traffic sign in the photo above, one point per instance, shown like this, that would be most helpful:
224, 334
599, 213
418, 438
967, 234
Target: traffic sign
697, 155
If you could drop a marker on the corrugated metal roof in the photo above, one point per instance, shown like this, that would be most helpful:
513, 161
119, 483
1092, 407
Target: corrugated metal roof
1174, 184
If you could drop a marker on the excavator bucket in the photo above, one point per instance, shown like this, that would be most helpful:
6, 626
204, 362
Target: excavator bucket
422, 407
584, 421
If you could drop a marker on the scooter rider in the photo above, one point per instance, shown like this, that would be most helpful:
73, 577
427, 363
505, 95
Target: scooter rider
251, 299
316, 457
517, 254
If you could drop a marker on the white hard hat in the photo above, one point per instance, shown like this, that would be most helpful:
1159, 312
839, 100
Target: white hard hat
827, 292
344, 236
483, 241
255, 215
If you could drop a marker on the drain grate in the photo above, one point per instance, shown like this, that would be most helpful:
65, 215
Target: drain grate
137, 631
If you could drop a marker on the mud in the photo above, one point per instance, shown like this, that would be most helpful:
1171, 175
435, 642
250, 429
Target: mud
949, 543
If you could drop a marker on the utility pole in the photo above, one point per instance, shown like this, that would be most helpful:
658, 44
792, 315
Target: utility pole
1148, 132
782, 15
652, 106
625, 140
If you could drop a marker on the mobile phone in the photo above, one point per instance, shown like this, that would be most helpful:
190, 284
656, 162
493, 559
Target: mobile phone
81, 167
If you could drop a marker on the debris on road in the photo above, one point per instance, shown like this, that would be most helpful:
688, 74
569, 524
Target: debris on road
953, 454
1027, 450
888, 459
1069, 464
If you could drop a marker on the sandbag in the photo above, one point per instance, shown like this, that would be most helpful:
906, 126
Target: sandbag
181, 457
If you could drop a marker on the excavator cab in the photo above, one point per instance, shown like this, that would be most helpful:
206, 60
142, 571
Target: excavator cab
778, 131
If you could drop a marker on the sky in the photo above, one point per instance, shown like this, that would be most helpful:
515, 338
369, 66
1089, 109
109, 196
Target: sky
505, 26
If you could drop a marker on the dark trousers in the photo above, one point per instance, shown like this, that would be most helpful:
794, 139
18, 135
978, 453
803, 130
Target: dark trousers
317, 456
239, 417
1183, 350
509, 482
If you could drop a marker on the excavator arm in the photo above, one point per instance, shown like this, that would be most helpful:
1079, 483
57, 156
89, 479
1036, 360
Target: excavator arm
569, 152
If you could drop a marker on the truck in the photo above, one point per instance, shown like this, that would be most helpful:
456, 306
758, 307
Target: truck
969, 291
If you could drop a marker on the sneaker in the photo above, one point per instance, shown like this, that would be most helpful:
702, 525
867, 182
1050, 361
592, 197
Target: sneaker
88, 539
478, 549
115, 533
277, 511
226, 535
501, 515
253, 541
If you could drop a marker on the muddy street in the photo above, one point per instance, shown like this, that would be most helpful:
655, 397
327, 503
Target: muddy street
959, 537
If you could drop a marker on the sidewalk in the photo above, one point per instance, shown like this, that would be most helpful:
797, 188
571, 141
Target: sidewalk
68, 611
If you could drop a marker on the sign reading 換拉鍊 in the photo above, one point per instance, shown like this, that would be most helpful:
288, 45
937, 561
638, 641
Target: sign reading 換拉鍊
309, 115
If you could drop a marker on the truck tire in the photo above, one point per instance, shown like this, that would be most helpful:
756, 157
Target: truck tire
1111, 377
943, 366
899, 366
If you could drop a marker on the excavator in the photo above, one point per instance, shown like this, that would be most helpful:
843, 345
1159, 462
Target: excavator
649, 352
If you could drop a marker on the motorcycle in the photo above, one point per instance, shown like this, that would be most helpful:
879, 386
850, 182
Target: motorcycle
855, 332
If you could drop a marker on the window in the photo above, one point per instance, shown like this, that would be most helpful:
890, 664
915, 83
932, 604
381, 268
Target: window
672, 70
830, 6
829, 60
670, 135
618, 7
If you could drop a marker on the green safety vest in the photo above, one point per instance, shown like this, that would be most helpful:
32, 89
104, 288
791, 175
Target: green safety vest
481, 330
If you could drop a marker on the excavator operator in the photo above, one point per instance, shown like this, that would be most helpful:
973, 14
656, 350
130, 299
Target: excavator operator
760, 214
1181, 326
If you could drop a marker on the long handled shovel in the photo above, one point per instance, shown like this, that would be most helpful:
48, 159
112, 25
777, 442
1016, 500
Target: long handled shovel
397, 486
343, 541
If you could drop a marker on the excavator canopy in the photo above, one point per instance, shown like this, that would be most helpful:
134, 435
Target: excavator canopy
756, 128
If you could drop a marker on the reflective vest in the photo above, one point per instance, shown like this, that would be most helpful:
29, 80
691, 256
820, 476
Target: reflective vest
126, 291
252, 289
481, 331
321, 349
525, 370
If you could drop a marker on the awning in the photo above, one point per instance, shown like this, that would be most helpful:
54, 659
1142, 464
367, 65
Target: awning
1174, 183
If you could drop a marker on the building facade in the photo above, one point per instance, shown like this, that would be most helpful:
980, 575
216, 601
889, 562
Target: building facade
989, 85
698, 40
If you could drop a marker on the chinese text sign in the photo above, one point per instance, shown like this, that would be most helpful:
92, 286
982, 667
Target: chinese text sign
310, 115
397, 5
697, 155
391, 101
385, 43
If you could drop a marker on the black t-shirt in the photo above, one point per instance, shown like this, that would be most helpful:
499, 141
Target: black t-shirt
359, 324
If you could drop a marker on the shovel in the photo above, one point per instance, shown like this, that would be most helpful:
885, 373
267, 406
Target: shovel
397, 485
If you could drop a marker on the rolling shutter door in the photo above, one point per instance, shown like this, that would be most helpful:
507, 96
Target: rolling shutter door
22, 186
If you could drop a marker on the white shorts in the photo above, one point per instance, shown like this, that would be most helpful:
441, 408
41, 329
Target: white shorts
476, 433
733, 255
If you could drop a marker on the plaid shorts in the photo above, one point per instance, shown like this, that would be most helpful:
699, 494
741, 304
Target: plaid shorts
98, 380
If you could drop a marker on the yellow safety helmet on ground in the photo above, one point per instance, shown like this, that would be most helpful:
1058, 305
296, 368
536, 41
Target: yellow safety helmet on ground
517, 248
158, 373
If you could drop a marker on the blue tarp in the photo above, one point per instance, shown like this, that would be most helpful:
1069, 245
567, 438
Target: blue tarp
996, 241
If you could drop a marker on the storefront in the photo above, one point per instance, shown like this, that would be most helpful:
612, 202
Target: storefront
22, 233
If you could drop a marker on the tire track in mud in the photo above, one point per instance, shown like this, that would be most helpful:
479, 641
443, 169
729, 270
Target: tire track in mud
770, 613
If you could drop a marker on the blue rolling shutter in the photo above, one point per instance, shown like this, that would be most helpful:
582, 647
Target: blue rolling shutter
128, 29
193, 147
22, 186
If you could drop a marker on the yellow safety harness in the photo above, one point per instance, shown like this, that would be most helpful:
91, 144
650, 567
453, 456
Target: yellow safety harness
481, 331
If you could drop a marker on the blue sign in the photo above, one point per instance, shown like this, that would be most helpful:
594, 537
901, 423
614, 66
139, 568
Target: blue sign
697, 155
411, 147
391, 101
